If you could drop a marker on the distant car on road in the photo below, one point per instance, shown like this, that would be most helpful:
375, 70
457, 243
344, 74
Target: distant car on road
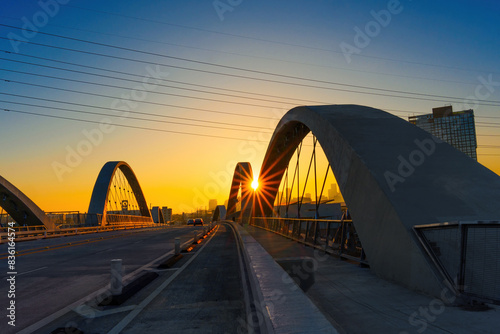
190, 222
198, 221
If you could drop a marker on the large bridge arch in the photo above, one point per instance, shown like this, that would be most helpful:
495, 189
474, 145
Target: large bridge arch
393, 177
99, 199
242, 180
20, 207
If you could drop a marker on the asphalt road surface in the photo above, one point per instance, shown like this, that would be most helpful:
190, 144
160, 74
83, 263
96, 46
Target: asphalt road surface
56, 273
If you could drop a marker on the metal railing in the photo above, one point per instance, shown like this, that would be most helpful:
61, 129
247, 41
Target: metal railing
337, 237
69, 220
112, 219
72, 219
467, 254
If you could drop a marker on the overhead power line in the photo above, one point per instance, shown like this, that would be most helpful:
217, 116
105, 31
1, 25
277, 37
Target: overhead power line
482, 102
124, 126
161, 85
274, 41
145, 102
133, 111
280, 60
184, 83
130, 117
163, 130
149, 92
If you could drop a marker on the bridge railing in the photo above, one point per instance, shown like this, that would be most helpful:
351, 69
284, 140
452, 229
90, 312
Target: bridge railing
337, 237
39, 232
69, 220
112, 219
475, 269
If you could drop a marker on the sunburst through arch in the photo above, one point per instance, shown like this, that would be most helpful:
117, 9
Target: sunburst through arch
241, 194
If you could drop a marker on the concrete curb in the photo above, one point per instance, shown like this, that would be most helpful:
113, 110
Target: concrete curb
280, 298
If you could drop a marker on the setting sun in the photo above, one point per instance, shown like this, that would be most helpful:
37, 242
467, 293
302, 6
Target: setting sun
255, 184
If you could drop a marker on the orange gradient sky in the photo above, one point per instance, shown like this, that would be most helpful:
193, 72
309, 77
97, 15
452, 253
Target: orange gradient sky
191, 90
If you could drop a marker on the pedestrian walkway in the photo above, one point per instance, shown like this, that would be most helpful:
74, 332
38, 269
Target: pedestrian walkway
279, 305
355, 301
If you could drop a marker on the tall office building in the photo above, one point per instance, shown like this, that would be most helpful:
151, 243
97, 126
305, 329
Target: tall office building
167, 213
212, 204
456, 128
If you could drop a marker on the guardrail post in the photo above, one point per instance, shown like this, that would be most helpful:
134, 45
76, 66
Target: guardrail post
177, 246
307, 231
327, 235
315, 232
45, 234
195, 237
116, 285
342, 237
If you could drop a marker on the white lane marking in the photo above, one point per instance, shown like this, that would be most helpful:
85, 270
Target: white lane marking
27, 272
45, 321
131, 316
161, 270
90, 312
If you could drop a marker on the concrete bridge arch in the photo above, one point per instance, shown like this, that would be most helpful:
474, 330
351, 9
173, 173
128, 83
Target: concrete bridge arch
393, 177
20, 207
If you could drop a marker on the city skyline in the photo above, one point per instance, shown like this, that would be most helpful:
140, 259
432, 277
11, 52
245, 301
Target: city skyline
67, 110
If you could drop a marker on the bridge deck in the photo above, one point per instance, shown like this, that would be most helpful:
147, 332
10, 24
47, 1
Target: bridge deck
209, 296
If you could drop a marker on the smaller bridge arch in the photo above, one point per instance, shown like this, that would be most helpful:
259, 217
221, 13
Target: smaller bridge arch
242, 181
219, 213
99, 200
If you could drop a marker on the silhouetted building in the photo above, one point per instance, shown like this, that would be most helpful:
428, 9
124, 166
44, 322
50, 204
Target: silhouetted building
212, 204
456, 128
167, 213
157, 215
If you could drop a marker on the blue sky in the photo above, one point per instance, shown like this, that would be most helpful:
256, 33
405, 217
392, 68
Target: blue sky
447, 49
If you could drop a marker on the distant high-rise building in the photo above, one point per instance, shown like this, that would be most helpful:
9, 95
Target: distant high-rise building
167, 213
157, 214
212, 204
333, 192
307, 198
456, 128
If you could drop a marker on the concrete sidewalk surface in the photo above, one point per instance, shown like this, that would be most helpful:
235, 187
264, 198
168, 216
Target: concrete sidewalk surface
355, 300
